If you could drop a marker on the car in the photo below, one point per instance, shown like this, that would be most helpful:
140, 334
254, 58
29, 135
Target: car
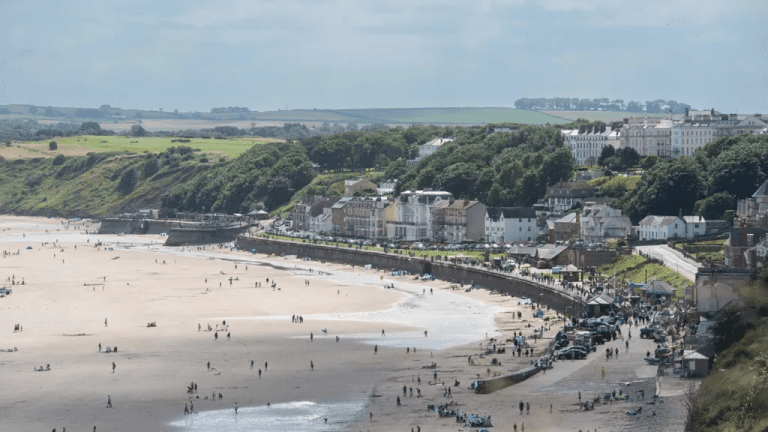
562, 343
647, 332
572, 353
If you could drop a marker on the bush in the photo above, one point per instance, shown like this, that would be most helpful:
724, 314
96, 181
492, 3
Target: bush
59, 160
7, 143
128, 181
53, 146
151, 167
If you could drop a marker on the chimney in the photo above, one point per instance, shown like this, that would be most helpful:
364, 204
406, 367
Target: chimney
686, 112
712, 112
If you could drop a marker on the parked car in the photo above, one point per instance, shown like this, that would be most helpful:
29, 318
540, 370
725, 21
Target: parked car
647, 332
572, 353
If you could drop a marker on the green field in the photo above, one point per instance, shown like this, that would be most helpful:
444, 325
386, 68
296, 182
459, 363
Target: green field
604, 116
447, 115
450, 115
82, 144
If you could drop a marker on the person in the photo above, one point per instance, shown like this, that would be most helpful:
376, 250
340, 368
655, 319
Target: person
311, 365
522, 405
99, 346
515, 427
405, 390
109, 401
398, 400
337, 339
209, 366
228, 336
113, 367
375, 349
550, 408
370, 416
311, 336
198, 327
186, 409
235, 407
216, 336
265, 366
259, 372
382, 332
627, 346
527, 407
105, 322
425, 333
191, 407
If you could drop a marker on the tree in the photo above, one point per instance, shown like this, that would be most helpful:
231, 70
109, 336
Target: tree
128, 181
59, 160
138, 131
607, 152
52, 146
628, 157
33, 110
714, 206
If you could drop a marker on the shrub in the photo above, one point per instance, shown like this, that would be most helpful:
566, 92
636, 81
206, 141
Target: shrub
127, 181
151, 167
59, 160
53, 146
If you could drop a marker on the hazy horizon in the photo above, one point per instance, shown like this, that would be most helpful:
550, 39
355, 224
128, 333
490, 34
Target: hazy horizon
194, 56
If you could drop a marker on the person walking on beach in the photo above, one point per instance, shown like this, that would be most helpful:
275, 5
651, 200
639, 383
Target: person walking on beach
209, 366
113, 367
398, 400
311, 336
527, 407
265, 366
109, 401
251, 364
228, 336
259, 372
105, 322
216, 336
235, 407
375, 349
522, 405
191, 407
99, 346
198, 327
186, 409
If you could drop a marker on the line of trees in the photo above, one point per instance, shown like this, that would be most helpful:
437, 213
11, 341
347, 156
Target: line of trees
600, 104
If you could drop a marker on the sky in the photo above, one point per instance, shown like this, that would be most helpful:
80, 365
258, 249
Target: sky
196, 55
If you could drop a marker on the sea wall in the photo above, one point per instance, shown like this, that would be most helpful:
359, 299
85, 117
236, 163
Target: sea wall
503, 282
204, 235
136, 226
493, 384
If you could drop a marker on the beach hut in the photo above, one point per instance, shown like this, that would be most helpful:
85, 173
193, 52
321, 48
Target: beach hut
658, 289
599, 305
695, 364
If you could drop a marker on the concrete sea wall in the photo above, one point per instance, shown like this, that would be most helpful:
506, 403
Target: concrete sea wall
203, 235
444, 270
492, 384
136, 226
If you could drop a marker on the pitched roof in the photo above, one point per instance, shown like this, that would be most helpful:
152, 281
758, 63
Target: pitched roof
456, 204
657, 286
511, 212
569, 218
762, 190
548, 253
522, 250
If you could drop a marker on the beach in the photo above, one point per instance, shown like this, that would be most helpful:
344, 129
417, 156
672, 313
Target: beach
74, 281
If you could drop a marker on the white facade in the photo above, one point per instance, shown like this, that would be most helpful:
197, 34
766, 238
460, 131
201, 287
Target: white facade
321, 223
510, 224
670, 227
414, 218
694, 226
587, 145
698, 128
428, 149
600, 222
648, 136
387, 187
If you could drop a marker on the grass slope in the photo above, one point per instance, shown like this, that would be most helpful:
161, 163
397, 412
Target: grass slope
328, 184
633, 268
81, 145
87, 186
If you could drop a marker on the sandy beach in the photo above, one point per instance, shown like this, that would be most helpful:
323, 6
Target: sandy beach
71, 286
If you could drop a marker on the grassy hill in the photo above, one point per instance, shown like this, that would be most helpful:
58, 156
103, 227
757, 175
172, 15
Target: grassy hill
81, 145
634, 268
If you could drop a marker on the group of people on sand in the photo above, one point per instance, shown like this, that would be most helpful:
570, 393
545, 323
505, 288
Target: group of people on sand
17, 328
297, 319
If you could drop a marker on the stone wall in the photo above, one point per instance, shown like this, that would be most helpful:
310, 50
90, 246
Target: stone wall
136, 226
493, 384
203, 235
457, 273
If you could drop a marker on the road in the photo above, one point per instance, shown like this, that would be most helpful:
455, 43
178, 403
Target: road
672, 259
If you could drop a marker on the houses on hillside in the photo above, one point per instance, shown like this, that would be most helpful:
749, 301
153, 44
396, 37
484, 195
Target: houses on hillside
510, 224
600, 222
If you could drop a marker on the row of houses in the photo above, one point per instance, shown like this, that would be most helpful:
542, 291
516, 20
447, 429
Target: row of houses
671, 136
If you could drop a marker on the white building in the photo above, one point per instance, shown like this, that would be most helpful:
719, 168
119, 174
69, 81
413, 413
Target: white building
428, 149
587, 144
698, 128
387, 187
510, 224
649, 136
600, 222
670, 227
321, 223
414, 217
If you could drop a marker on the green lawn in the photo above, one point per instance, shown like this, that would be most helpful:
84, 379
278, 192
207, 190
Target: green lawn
643, 268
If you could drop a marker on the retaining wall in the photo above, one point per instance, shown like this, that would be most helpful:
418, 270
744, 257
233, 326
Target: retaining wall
457, 273
491, 385
136, 226
203, 235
